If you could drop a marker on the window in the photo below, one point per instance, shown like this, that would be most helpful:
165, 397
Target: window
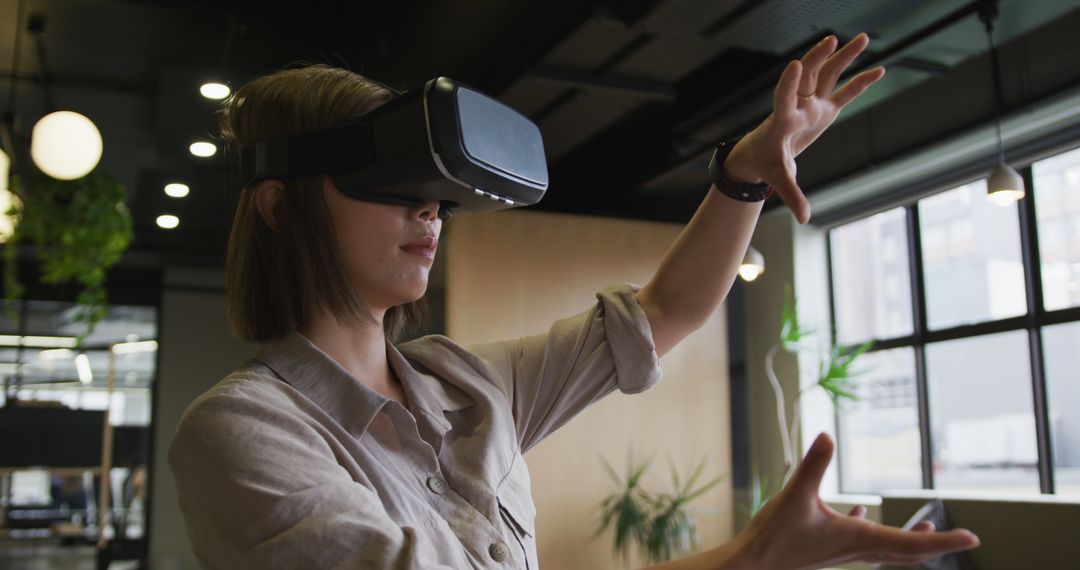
1060, 343
1057, 205
974, 310
45, 374
880, 430
870, 273
982, 418
972, 267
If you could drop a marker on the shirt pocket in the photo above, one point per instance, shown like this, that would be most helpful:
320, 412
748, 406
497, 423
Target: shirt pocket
515, 498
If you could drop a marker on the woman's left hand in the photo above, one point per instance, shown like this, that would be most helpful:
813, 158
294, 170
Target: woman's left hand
796, 530
805, 103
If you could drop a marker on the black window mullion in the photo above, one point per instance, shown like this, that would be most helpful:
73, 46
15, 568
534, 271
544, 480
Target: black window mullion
1059, 316
1029, 240
918, 306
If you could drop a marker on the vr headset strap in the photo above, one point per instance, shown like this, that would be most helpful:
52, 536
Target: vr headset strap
331, 151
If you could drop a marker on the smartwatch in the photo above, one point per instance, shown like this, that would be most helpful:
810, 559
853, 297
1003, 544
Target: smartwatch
740, 191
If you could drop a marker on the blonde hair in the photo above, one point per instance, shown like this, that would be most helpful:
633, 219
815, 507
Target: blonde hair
277, 279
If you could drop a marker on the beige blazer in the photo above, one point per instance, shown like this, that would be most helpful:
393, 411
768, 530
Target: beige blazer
289, 462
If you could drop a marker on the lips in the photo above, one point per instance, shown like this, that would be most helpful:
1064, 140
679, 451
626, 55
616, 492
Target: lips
424, 247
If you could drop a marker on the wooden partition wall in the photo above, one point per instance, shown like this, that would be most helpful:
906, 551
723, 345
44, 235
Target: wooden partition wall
513, 273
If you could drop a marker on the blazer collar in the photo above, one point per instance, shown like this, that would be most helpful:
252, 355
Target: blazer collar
351, 403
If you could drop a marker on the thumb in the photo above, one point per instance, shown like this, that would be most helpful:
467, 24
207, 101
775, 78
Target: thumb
808, 476
785, 185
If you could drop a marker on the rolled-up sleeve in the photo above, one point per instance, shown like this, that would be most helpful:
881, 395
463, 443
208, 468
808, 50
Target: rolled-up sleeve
551, 377
260, 488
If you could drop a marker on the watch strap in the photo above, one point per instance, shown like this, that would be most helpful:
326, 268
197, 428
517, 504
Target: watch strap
740, 191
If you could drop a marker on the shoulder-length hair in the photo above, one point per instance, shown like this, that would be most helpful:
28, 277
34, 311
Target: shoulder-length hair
276, 280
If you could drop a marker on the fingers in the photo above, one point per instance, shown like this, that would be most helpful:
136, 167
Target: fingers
785, 97
837, 63
858, 511
785, 185
812, 62
856, 86
922, 543
883, 544
808, 477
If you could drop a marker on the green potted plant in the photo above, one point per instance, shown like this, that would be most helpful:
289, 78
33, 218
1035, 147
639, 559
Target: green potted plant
660, 524
836, 376
79, 229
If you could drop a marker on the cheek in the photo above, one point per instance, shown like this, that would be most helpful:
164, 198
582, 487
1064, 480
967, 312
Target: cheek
369, 249
364, 249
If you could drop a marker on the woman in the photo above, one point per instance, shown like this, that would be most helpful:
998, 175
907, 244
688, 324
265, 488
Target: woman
333, 448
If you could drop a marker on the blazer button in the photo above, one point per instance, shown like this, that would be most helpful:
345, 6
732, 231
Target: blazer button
437, 485
499, 552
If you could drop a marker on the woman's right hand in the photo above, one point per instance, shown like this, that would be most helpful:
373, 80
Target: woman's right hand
796, 530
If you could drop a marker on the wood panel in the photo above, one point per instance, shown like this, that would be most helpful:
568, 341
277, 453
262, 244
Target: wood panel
513, 273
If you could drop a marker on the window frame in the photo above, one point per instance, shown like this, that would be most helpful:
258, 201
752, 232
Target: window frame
1032, 322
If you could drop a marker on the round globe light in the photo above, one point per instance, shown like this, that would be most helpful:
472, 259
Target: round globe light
203, 149
5, 170
749, 272
7, 200
177, 190
753, 265
168, 221
7, 223
214, 90
65, 145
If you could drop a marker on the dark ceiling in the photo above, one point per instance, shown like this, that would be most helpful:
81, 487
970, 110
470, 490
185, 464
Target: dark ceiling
628, 94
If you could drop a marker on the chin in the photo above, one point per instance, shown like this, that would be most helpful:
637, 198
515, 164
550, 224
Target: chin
413, 293
402, 289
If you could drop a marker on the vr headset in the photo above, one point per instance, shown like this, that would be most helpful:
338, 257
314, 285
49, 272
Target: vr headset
443, 141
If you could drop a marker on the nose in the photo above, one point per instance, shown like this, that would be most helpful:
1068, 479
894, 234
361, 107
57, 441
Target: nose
426, 211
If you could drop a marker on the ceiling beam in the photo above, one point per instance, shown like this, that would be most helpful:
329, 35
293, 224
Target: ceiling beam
923, 65
606, 171
143, 88
599, 82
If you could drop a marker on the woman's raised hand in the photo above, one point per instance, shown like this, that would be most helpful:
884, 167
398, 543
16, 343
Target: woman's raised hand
797, 530
805, 103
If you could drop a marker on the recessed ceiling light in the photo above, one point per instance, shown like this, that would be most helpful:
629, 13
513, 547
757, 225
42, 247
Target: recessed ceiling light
214, 90
203, 148
168, 221
177, 190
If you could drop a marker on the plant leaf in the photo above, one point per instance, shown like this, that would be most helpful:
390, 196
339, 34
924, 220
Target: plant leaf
703, 489
79, 228
792, 332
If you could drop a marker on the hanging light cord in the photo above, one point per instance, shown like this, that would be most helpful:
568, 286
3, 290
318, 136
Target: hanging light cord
7, 122
15, 60
988, 12
36, 25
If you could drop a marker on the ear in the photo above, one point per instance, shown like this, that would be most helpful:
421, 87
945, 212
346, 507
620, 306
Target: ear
267, 195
